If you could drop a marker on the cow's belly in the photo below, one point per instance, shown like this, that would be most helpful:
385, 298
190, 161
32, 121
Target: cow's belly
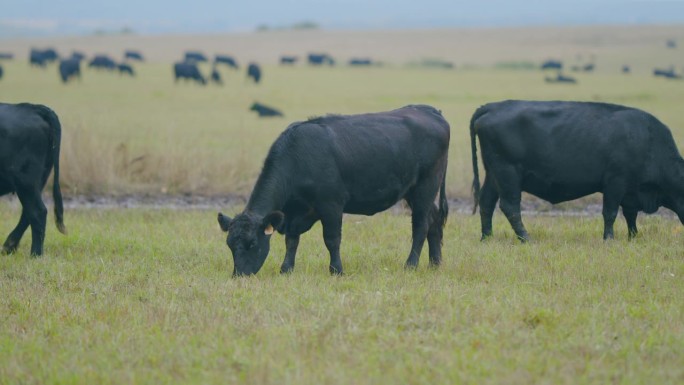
369, 204
556, 192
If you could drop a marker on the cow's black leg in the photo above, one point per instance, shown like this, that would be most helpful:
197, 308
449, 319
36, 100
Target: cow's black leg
612, 197
630, 216
331, 219
291, 243
434, 237
421, 201
509, 201
488, 198
12, 242
36, 214
297, 225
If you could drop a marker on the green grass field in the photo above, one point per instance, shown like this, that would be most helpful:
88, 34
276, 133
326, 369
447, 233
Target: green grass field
145, 295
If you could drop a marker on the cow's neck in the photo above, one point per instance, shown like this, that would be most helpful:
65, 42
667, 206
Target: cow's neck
270, 193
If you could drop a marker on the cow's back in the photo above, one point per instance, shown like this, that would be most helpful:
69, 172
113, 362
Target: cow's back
373, 159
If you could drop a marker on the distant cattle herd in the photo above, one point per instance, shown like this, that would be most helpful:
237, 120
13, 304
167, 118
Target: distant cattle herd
318, 169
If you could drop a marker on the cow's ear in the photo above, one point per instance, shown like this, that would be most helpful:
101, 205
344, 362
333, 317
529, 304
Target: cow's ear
272, 222
224, 221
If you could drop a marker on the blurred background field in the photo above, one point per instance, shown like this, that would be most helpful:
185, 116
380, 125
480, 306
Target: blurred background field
147, 135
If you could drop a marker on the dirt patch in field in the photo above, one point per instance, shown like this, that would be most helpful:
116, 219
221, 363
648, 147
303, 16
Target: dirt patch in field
531, 206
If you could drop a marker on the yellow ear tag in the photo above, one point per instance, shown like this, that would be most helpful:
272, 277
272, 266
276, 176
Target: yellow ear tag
268, 230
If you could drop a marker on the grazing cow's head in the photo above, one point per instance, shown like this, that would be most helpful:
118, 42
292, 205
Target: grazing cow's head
249, 237
674, 190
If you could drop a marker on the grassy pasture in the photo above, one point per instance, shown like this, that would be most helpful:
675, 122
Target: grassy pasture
144, 296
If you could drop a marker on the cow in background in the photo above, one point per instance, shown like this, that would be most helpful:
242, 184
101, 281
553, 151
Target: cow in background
254, 72
133, 55
30, 137
288, 60
264, 110
227, 60
189, 71
125, 69
318, 59
195, 56
103, 62
69, 68
42, 57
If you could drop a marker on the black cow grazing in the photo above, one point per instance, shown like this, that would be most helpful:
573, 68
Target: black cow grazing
6, 56
195, 56
357, 164
560, 151
216, 76
41, 57
103, 62
188, 70
320, 59
671, 43
133, 55
264, 110
254, 72
227, 60
560, 78
69, 68
589, 67
360, 62
125, 69
552, 65
29, 149
288, 60
666, 73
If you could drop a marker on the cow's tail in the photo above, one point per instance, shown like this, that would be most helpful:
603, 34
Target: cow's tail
56, 139
443, 203
473, 147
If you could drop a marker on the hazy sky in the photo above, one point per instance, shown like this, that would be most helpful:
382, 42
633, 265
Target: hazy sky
32, 17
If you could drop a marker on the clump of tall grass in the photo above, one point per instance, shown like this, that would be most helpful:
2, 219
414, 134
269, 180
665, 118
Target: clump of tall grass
92, 165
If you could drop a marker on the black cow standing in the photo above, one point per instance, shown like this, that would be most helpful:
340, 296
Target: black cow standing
29, 149
41, 57
102, 62
69, 68
320, 59
288, 60
133, 55
254, 72
188, 70
560, 151
195, 56
357, 164
264, 111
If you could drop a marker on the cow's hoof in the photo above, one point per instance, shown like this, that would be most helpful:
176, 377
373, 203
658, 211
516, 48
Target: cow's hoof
286, 269
336, 270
